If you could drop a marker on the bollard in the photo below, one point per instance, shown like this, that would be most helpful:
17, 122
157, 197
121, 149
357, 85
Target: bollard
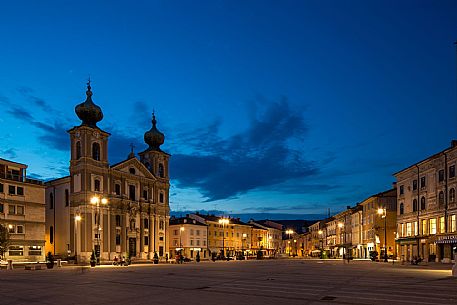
59, 262
454, 268
10, 265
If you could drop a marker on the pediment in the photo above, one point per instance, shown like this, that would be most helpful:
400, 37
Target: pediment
133, 163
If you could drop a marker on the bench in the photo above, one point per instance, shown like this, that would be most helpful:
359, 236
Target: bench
33, 267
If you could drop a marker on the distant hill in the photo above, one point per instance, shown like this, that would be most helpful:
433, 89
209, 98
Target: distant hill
255, 216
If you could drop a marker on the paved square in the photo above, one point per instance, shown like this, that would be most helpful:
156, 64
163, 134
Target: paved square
235, 282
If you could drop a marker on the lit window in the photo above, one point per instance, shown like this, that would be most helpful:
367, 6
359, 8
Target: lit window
442, 226
35, 250
453, 223
424, 227
16, 251
408, 229
432, 226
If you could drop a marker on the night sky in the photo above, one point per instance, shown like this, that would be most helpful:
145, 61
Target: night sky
267, 106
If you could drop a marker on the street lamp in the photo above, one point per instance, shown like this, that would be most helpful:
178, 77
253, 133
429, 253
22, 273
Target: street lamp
223, 221
181, 229
295, 246
321, 243
383, 213
96, 201
243, 241
341, 226
77, 218
289, 232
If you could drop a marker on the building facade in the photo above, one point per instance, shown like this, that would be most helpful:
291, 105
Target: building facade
427, 208
112, 210
188, 237
22, 212
230, 237
375, 228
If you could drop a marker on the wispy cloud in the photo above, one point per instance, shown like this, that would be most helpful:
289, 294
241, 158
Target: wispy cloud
259, 157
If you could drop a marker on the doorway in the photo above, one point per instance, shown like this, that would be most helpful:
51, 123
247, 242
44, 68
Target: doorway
132, 247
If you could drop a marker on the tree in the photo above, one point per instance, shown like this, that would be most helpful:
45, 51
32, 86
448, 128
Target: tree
4, 240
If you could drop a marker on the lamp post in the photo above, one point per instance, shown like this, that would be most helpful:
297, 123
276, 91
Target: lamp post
77, 219
269, 244
181, 229
289, 232
341, 226
96, 201
295, 246
383, 213
243, 241
321, 243
223, 221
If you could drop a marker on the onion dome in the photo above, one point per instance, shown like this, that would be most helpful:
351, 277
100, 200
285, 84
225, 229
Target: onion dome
88, 112
154, 138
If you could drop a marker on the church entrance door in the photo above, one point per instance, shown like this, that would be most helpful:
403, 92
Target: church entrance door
132, 247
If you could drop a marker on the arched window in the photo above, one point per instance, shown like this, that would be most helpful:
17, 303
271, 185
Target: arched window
423, 203
51, 234
402, 208
67, 197
132, 171
96, 151
117, 189
78, 150
161, 198
51, 201
97, 185
441, 198
415, 206
161, 171
452, 195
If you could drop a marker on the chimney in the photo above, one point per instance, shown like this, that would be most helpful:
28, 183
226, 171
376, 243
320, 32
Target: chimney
453, 143
394, 185
348, 207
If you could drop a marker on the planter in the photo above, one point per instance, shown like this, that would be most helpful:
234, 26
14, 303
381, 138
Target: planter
156, 261
92, 263
50, 265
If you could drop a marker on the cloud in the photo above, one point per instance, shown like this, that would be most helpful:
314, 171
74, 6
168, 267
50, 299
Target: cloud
27, 93
258, 157
9, 153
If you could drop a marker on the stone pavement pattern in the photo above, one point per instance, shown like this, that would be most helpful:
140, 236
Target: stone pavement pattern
248, 282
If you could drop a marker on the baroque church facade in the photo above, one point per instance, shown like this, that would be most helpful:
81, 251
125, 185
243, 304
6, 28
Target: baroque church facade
113, 210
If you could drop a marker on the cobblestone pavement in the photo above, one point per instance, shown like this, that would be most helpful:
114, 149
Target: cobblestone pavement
235, 282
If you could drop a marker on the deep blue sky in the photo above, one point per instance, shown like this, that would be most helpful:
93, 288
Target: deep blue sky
267, 106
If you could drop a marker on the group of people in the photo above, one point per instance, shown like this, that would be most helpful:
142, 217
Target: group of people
119, 261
